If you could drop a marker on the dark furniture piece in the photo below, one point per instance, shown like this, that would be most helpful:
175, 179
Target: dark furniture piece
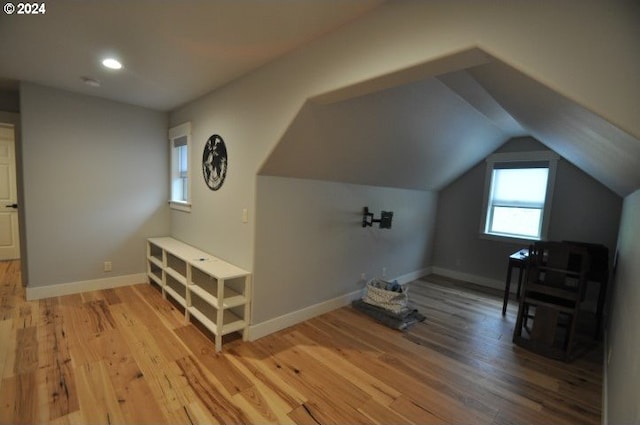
554, 286
518, 260
598, 272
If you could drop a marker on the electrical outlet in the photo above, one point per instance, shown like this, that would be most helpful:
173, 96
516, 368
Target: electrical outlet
107, 266
384, 272
363, 276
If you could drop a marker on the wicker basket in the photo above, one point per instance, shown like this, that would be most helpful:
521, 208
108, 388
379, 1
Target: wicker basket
377, 295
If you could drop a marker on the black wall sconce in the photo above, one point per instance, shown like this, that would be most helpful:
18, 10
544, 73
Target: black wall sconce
384, 220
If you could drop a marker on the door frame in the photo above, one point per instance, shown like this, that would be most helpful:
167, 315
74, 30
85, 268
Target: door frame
13, 118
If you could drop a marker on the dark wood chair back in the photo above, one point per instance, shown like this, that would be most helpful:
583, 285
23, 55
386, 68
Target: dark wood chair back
555, 281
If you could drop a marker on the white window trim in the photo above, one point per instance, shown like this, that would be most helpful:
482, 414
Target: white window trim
174, 133
548, 156
180, 206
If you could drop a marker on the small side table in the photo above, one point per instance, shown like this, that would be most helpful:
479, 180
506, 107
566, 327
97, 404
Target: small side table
519, 260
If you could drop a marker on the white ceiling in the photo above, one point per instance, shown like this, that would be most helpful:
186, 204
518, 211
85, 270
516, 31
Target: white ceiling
594, 145
426, 133
173, 51
419, 133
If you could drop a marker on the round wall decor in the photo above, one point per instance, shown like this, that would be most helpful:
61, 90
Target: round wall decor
214, 162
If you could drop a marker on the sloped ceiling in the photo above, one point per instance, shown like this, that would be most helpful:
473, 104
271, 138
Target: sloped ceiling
426, 133
594, 145
173, 51
416, 136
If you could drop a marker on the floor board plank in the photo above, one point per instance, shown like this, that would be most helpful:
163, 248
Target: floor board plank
126, 355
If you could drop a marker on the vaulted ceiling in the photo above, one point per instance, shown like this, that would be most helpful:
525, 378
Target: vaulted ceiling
424, 134
409, 132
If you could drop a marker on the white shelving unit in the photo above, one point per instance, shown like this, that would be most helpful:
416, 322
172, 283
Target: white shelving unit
214, 292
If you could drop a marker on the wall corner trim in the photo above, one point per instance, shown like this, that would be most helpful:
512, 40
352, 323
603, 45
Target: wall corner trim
40, 292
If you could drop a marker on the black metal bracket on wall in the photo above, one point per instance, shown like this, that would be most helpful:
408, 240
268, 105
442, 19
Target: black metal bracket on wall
384, 220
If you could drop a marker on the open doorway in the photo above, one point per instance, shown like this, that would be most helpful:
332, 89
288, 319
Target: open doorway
9, 220
11, 129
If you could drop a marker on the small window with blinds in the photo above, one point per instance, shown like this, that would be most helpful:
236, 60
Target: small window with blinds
180, 146
518, 195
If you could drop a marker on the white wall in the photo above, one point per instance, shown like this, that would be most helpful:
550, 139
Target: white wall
623, 374
95, 184
582, 209
311, 246
547, 41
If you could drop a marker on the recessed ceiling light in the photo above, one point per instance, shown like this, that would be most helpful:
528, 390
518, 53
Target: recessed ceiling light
111, 63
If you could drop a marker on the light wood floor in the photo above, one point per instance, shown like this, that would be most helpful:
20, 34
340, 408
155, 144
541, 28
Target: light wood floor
126, 356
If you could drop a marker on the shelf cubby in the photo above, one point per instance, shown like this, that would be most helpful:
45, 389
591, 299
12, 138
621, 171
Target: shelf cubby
212, 291
155, 273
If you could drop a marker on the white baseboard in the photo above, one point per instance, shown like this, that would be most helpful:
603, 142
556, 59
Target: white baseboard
410, 277
40, 292
479, 280
290, 319
282, 322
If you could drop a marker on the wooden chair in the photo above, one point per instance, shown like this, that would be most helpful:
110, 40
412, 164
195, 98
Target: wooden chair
551, 298
598, 273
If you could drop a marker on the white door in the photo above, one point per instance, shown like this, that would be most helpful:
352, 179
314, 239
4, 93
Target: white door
9, 239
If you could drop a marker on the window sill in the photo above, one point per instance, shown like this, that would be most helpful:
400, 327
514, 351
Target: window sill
180, 206
509, 239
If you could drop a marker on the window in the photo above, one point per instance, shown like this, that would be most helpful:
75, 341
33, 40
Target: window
518, 194
181, 180
180, 147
